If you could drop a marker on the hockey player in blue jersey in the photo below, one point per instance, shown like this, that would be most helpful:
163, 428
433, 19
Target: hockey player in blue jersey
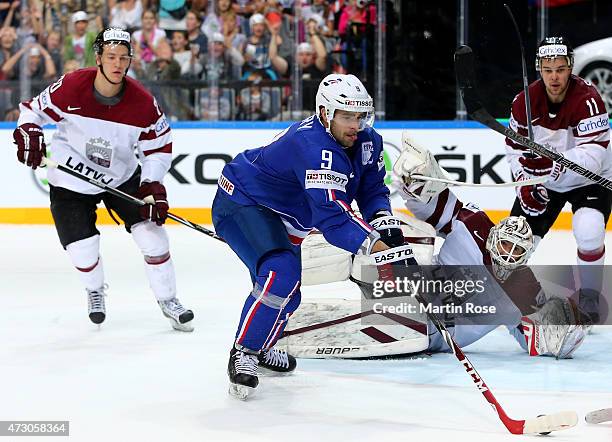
270, 198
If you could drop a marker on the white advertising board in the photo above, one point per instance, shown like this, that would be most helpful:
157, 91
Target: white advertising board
472, 154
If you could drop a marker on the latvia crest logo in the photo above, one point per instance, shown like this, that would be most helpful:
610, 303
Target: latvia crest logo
98, 151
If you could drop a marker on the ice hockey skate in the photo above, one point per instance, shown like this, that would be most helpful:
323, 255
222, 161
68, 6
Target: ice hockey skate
277, 362
96, 305
242, 372
179, 316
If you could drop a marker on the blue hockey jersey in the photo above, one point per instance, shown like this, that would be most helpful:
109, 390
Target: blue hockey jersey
310, 180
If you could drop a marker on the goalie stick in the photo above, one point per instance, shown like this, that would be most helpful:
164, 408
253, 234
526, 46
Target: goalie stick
464, 184
541, 424
599, 416
118, 193
464, 69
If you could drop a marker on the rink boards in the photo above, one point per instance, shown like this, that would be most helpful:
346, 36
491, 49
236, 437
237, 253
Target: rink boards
467, 150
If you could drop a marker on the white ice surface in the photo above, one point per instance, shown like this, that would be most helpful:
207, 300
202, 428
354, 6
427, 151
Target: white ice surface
135, 379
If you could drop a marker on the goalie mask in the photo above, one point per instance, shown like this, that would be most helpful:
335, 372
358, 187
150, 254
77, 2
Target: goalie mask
552, 47
347, 93
510, 244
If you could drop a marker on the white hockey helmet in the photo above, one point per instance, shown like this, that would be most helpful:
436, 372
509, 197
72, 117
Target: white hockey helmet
510, 244
344, 92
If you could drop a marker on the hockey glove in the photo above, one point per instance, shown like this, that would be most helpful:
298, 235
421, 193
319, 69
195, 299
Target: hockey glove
536, 165
533, 198
155, 194
389, 228
395, 261
554, 329
29, 138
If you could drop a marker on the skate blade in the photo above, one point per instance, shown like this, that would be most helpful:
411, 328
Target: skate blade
186, 327
241, 392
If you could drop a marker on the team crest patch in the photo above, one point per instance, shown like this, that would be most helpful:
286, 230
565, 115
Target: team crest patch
99, 151
367, 149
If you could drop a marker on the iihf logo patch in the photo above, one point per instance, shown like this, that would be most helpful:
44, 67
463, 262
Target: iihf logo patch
367, 149
98, 151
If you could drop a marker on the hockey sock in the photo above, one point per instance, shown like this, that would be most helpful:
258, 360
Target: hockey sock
276, 283
85, 256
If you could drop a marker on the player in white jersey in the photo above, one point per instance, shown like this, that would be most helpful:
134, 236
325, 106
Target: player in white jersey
568, 117
472, 239
101, 117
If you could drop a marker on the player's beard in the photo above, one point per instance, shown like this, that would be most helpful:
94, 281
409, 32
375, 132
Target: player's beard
348, 140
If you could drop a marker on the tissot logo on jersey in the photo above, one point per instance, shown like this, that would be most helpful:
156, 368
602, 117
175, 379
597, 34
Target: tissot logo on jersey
325, 179
593, 124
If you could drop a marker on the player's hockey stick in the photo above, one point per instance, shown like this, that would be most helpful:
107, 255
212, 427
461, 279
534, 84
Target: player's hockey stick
524, 67
599, 416
50, 163
464, 68
542, 424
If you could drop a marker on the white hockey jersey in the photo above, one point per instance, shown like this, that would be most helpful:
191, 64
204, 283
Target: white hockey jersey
579, 129
99, 140
465, 228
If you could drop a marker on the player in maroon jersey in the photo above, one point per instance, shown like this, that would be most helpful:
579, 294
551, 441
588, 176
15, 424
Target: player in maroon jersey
569, 117
101, 116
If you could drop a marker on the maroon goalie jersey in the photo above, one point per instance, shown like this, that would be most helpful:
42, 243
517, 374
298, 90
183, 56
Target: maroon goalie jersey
579, 130
97, 140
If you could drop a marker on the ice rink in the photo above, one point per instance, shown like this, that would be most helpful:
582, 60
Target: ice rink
136, 379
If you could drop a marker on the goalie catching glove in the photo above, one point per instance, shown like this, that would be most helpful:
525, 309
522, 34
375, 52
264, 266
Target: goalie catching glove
417, 160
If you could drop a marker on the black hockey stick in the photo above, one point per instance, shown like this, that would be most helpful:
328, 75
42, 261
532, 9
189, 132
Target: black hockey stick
464, 69
50, 163
524, 66
541, 424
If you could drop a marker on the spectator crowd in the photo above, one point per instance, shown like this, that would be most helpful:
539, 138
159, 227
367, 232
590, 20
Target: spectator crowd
203, 59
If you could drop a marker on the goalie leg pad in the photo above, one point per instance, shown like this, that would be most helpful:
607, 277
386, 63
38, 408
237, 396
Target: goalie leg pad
322, 262
339, 328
